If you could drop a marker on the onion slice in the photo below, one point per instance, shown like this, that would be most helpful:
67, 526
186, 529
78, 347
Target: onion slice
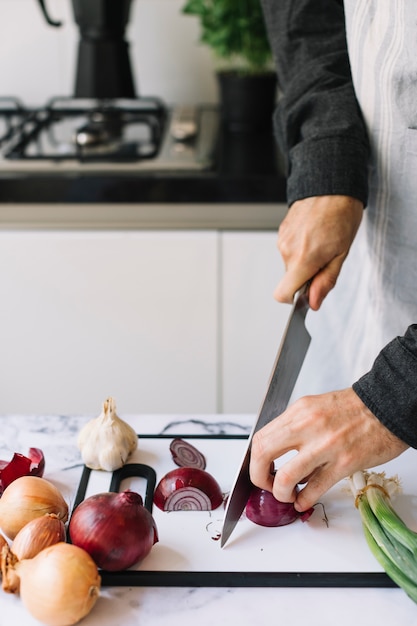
188, 489
265, 510
186, 455
20, 465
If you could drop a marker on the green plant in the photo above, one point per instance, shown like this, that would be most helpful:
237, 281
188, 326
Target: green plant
235, 31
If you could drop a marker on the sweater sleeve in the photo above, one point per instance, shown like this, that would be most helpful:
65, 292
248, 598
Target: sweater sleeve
318, 122
389, 390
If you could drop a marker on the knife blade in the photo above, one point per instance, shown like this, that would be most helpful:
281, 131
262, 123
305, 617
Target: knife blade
287, 365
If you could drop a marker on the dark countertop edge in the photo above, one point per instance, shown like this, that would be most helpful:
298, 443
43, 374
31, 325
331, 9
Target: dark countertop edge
128, 188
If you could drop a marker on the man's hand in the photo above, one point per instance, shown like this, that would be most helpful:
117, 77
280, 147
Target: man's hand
335, 435
314, 240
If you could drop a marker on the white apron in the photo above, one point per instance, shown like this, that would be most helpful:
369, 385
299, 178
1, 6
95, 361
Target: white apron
375, 298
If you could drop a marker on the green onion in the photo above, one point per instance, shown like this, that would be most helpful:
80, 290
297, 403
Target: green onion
395, 573
384, 511
393, 544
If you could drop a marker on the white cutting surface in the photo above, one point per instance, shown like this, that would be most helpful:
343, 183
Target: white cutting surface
161, 605
188, 540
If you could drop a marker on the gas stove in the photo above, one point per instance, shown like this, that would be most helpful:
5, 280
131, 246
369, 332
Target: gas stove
73, 134
107, 144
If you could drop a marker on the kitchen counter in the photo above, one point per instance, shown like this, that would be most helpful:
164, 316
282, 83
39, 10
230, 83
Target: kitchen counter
243, 189
245, 168
154, 606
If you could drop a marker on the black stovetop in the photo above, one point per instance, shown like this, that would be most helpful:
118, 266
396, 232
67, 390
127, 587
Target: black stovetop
38, 163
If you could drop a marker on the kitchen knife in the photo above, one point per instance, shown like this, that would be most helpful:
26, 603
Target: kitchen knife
287, 366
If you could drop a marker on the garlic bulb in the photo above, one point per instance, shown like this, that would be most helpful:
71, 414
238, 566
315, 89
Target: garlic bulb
106, 441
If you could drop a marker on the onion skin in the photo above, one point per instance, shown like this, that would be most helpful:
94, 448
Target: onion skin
59, 586
25, 499
3, 542
38, 534
265, 510
114, 528
199, 489
20, 465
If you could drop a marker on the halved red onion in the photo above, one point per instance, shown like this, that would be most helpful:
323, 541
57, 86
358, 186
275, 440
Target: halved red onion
265, 510
186, 455
20, 465
188, 489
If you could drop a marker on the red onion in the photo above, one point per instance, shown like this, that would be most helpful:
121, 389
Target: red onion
188, 489
186, 455
115, 529
263, 509
20, 465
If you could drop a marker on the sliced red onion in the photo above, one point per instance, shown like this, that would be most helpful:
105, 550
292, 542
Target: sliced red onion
188, 499
188, 489
186, 455
20, 465
265, 510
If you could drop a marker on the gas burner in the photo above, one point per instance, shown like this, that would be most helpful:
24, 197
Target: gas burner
105, 123
11, 105
102, 129
75, 134
13, 114
118, 130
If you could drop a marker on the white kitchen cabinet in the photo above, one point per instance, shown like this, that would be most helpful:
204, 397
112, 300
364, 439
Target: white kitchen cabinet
252, 321
174, 321
85, 315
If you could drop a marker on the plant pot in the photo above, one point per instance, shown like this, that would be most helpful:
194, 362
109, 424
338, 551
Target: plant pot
247, 101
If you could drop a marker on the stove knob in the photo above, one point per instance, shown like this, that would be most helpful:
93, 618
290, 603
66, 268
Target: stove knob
184, 124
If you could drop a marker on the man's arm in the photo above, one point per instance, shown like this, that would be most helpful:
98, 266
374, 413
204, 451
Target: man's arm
340, 432
318, 122
334, 434
323, 136
389, 390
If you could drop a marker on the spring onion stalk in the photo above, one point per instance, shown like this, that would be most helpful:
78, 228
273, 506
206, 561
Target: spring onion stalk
383, 509
395, 573
392, 543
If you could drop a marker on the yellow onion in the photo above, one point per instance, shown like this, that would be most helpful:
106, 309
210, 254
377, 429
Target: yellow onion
58, 587
10, 581
38, 534
25, 499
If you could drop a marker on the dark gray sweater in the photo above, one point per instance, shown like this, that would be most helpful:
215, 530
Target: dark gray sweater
322, 134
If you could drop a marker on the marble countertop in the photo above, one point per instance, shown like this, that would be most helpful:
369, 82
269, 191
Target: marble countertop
156, 606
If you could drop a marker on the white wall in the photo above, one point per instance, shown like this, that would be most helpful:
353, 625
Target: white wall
37, 61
